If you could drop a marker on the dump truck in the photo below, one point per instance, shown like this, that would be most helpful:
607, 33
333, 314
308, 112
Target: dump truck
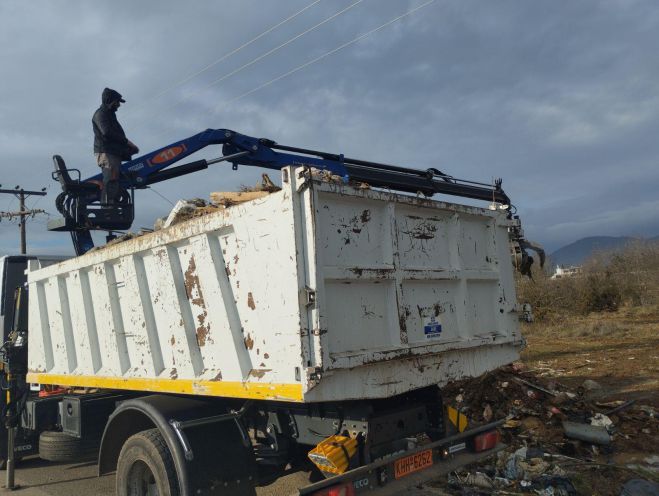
318, 322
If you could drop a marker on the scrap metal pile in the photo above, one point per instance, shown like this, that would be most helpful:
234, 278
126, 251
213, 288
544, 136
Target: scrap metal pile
560, 441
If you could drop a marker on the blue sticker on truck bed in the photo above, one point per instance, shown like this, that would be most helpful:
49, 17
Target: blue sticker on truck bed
432, 329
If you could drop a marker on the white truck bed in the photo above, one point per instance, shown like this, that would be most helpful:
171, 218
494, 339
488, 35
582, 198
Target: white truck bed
319, 292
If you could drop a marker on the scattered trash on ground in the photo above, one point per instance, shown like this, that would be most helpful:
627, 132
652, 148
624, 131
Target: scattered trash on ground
640, 487
583, 432
559, 441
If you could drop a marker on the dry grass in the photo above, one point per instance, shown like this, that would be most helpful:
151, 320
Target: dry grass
601, 325
597, 328
619, 350
609, 281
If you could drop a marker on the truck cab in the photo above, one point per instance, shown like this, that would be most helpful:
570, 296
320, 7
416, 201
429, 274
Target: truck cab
12, 277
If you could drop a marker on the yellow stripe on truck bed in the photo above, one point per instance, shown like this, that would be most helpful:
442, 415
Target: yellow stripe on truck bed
247, 390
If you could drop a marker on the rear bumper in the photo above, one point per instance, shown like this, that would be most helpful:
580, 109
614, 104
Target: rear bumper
379, 477
439, 469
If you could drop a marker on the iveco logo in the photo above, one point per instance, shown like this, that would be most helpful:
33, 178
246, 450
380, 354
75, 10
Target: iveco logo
361, 483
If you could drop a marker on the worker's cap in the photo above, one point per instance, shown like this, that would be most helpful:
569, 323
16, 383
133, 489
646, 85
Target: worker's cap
110, 95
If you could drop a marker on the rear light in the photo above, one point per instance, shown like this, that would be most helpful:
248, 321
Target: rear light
338, 490
486, 441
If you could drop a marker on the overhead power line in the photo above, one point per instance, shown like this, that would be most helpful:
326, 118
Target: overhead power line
261, 57
325, 55
224, 57
162, 196
317, 59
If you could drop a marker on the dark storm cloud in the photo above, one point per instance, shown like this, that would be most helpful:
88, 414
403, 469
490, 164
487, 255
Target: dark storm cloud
559, 98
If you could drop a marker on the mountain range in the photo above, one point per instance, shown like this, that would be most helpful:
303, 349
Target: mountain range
576, 253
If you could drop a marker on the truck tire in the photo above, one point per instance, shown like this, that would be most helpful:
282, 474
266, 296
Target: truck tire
56, 446
146, 466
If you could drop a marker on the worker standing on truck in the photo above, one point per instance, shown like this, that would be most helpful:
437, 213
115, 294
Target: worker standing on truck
110, 143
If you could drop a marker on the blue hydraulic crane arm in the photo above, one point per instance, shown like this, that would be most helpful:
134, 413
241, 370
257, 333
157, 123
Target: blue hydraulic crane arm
82, 211
237, 148
240, 149
137, 170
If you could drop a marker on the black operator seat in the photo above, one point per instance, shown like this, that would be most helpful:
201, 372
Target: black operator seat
70, 185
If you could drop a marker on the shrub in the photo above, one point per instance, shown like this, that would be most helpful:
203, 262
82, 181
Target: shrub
608, 281
602, 292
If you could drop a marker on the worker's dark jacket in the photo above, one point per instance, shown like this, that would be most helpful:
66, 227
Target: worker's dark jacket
109, 136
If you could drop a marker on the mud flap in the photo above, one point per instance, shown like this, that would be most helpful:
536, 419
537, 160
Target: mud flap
223, 460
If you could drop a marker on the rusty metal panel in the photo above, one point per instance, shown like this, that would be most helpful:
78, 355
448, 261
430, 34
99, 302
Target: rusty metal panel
318, 292
400, 277
208, 303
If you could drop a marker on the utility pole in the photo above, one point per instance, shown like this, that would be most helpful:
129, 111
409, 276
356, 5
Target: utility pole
22, 194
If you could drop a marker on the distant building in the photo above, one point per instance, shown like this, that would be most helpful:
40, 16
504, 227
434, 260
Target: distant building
566, 272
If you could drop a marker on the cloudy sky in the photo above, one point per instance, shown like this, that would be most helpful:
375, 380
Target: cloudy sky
559, 98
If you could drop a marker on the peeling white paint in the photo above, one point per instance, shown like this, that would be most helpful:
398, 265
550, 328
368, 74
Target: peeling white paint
350, 293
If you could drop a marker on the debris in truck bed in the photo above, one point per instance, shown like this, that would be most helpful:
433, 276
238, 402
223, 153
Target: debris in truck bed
229, 198
196, 207
266, 184
183, 210
327, 177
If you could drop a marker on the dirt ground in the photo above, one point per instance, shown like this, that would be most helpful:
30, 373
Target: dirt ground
570, 371
619, 350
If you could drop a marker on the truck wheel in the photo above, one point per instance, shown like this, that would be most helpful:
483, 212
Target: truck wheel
146, 467
56, 446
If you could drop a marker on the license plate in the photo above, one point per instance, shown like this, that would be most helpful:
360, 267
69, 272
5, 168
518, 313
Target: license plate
412, 463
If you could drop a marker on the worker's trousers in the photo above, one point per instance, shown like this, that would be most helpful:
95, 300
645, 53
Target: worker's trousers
111, 166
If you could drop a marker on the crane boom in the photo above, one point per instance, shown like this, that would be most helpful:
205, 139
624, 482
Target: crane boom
82, 211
